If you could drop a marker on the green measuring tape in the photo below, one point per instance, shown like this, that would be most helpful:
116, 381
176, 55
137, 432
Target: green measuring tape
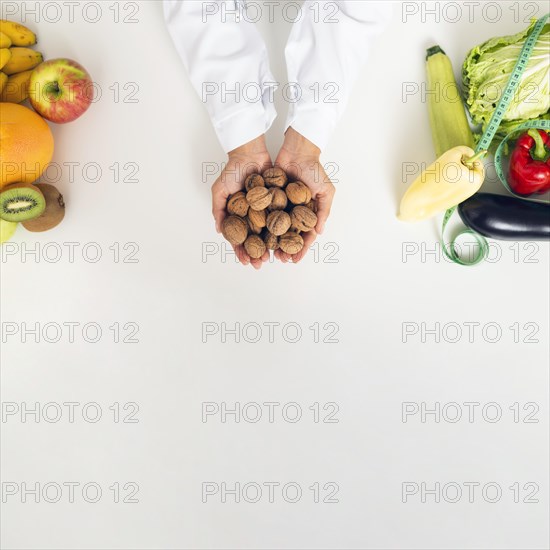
486, 141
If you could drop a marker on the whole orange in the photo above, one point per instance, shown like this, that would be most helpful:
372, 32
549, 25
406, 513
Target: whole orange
26, 144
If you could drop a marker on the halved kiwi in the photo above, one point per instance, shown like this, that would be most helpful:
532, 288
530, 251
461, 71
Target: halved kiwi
20, 202
54, 213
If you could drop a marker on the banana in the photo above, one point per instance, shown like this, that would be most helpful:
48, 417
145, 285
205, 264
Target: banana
3, 81
22, 59
17, 33
5, 55
5, 40
17, 88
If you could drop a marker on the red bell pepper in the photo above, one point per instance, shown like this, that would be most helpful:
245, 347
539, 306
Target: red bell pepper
530, 164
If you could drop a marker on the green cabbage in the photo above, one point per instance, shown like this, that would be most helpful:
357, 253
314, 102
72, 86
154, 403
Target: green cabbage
486, 72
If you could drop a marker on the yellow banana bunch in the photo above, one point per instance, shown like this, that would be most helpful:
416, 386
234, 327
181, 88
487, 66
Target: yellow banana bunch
17, 61
18, 34
5, 56
16, 89
5, 40
22, 59
3, 81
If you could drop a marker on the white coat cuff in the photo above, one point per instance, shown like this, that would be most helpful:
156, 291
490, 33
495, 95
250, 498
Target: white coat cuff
312, 123
243, 126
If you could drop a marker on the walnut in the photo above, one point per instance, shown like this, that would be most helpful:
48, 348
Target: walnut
279, 199
271, 241
254, 180
275, 177
237, 205
254, 247
303, 219
298, 193
253, 228
257, 218
312, 205
278, 222
234, 229
259, 198
291, 242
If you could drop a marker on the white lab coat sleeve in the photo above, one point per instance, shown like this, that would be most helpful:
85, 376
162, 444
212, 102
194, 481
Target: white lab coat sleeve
227, 62
324, 54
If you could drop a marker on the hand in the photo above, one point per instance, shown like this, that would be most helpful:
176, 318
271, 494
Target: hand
299, 157
249, 158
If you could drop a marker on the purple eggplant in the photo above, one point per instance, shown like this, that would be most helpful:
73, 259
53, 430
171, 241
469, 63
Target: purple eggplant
506, 218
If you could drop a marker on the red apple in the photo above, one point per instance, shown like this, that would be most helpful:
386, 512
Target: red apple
61, 90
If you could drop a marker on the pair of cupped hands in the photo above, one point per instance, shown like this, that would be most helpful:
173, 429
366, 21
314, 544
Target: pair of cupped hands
299, 158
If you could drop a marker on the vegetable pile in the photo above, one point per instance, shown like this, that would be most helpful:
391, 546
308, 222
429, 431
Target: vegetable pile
507, 93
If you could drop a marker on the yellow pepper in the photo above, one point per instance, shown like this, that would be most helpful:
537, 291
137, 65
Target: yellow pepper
451, 179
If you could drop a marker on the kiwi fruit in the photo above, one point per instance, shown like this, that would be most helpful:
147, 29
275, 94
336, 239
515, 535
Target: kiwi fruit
54, 212
20, 202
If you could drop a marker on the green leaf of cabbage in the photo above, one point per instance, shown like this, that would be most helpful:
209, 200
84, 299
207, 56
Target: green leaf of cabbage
486, 72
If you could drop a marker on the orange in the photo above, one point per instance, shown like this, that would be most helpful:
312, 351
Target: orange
26, 144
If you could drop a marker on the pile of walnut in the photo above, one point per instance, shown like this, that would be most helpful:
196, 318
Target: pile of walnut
270, 214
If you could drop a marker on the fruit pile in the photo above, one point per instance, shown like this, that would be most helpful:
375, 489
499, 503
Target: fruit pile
59, 90
270, 213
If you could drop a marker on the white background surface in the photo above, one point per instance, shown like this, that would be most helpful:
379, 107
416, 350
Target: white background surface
172, 290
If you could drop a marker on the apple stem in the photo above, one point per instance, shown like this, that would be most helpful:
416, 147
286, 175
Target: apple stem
52, 89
